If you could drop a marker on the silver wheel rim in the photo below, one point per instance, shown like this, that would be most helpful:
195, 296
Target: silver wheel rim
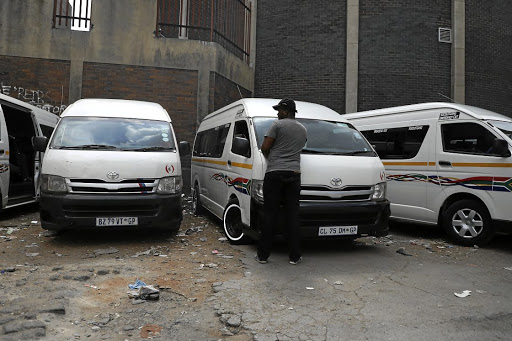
467, 223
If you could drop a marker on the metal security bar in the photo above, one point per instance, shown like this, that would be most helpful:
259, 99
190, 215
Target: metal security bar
75, 14
227, 22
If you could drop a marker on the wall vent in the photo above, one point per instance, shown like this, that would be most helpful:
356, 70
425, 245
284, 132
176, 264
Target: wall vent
444, 35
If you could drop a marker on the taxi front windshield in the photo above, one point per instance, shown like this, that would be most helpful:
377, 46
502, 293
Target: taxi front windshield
87, 133
324, 137
505, 127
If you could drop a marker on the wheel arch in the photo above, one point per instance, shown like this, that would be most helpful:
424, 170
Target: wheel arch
457, 197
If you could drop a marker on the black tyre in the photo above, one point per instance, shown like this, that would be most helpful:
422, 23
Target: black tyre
233, 226
197, 208
468, 223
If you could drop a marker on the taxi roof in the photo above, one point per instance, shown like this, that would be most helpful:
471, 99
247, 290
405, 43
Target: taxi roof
119, 108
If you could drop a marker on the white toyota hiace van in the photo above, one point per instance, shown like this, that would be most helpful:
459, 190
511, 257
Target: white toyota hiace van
343, 190
110, 163
446, 164
20, 122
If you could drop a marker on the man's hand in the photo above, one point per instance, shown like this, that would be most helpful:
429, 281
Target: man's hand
268, 142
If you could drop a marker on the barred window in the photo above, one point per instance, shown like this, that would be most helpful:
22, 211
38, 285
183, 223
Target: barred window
72, 14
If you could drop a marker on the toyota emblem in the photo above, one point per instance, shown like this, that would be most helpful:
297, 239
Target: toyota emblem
336, 182
113, 175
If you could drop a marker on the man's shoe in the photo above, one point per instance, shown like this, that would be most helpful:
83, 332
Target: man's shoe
257, 259
296, 261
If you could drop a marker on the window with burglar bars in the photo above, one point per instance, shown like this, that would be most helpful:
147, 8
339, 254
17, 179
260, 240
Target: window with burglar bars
72, 14
227, 22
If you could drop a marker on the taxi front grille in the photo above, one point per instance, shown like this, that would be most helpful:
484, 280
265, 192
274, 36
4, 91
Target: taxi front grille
324, 193
128, 186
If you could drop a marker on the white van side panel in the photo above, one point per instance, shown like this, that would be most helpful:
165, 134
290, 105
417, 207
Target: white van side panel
210, 173
488, 178
408, 179
4, 160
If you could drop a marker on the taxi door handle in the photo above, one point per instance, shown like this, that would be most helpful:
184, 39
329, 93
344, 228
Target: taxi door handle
229, 162
445, 163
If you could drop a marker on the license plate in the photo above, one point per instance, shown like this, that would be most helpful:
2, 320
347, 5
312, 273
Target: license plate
117, 221
337, 230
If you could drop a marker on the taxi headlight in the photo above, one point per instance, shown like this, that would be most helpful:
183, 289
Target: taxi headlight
257, 190
169, 185
379, 191
53, 183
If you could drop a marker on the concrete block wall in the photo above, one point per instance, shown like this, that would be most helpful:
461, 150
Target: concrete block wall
224, 92
489, 55
400, 59
300, 51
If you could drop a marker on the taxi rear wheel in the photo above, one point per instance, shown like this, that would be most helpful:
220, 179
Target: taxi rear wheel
468, 223
197, 208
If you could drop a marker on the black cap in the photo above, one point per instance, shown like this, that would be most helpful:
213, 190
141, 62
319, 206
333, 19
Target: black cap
287, 104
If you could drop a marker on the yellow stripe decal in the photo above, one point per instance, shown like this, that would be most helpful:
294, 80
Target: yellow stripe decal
223, 163
455, 164
241, 165
216, 162
406, 164
495, 165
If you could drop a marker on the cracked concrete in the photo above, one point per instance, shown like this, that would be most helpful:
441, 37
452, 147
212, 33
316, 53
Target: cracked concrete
367, 291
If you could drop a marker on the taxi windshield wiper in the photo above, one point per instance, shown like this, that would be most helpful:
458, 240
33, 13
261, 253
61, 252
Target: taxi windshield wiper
148, 149
90, 146
312, 151
356, 152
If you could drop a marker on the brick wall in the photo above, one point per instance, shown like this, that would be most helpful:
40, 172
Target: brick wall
40, 82
175, 90
224, 92
400, 59
301, 51
489, 55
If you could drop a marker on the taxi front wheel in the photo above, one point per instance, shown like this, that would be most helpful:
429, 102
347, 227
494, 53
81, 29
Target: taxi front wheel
468, 223
233, 226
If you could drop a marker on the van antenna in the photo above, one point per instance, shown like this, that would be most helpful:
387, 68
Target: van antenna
240, 92
440, 94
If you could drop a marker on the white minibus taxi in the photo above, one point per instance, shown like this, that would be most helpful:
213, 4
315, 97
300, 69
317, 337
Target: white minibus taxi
112, 162
343, 185
20, 122
446, 164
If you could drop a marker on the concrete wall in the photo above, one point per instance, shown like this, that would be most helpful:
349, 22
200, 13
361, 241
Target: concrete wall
119, 58
122, 34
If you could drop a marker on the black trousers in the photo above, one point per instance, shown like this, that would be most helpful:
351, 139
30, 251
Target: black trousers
281, 188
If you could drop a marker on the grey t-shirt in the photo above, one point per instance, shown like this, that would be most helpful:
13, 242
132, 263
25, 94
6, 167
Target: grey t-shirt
290, 137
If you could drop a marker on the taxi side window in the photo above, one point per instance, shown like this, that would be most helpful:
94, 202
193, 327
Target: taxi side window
467, 138
397, 143
210, 143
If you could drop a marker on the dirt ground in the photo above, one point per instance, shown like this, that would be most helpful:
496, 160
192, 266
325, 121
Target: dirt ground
74, 286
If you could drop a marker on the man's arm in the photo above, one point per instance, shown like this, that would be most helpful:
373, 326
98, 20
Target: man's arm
267, 144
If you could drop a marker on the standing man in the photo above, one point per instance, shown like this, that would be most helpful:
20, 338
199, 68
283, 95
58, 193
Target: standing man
282, 146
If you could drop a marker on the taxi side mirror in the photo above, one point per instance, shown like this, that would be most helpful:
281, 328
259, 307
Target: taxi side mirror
40, 143
241, 146
500, 147
184, 148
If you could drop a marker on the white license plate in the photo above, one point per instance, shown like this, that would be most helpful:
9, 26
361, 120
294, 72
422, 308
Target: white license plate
117, 221
337, 230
